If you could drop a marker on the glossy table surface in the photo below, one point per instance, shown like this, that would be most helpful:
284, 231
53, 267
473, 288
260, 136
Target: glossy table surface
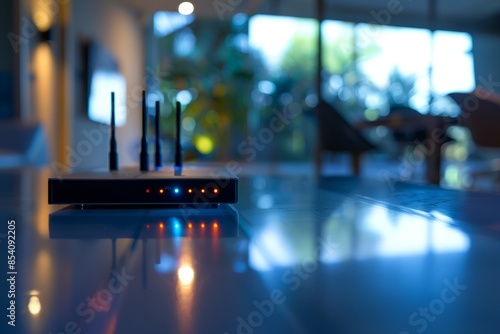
295, 255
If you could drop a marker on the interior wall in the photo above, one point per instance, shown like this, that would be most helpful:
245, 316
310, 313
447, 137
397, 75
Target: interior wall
43, 93
7, 55
119, 30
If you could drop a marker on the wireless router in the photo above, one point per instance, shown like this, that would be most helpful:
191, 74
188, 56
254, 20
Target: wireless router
198, 186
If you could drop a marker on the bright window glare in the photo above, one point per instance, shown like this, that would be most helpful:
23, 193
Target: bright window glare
382, 51
166, 23
338, 46
409, 52
101, 86
405, 49
271, 35
453, 63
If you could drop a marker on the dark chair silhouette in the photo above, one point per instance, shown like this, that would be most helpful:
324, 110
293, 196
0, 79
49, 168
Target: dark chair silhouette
410, 133
335, 134
482, 117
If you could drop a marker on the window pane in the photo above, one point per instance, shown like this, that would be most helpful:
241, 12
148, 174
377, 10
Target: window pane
284, 50
397, 62
453, 66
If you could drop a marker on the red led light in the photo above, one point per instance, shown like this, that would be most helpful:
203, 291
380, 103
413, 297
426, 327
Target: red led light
147, 226
147, 191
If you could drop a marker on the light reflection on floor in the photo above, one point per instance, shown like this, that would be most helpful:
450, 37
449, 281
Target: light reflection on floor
352, 233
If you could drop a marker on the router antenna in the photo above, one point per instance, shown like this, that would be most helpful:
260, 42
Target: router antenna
144, 140
178, 148
157, 141
113, 155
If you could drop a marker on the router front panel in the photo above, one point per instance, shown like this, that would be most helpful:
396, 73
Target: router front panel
143, 191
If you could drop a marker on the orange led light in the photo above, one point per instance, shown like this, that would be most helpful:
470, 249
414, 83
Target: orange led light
215, 225
190, 225
190, 191
161, 225
216, 191
203, 191
162, 191
203, 225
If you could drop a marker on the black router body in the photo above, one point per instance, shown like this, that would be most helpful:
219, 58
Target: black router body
195, 186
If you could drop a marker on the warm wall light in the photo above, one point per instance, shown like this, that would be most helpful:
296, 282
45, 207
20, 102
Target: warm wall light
43, 18
186, 8
42, 21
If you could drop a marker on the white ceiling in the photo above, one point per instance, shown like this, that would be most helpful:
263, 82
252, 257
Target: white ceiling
481, 15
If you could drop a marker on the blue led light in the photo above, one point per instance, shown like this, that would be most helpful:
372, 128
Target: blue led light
176, 190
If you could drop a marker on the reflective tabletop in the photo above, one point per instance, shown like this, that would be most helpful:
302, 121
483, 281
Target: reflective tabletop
295, 255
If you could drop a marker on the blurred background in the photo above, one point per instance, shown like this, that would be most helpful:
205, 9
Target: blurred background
249, 75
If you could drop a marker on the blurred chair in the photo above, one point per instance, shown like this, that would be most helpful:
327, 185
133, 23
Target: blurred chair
481, 115
22, 144
409, 133
335, 134
482, 119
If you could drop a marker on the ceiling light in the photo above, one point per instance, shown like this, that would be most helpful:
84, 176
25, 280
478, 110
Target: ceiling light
186, 8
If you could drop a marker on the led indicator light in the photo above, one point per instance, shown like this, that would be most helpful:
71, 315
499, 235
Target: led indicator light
190, 225
216, 191
176, 190
161, 225
147, 226
215, 225
176, 225
203, 191
147, 191
162, 191
202, 225
190, 191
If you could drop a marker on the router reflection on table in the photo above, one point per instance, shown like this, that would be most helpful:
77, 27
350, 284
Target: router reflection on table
162, 229
103, 223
